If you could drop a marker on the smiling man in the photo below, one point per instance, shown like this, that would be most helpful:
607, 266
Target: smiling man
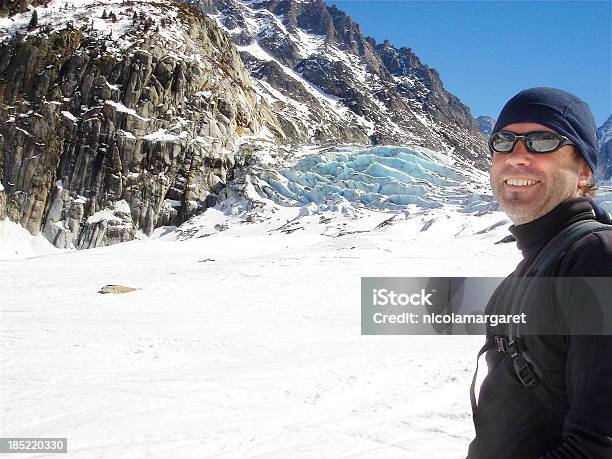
547, 395
527, 185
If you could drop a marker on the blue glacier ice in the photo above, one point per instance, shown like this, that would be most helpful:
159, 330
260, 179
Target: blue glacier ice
386, 178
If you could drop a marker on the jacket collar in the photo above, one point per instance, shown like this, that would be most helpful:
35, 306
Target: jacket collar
530, 237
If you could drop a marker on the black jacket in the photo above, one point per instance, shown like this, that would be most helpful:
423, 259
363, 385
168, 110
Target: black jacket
510, 421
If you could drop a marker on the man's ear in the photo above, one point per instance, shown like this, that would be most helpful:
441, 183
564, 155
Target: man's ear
585, 173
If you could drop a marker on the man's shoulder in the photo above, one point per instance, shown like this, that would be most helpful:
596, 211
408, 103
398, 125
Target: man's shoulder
590, 256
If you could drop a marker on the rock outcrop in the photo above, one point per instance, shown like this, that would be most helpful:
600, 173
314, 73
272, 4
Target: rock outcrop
102, 136
11, 7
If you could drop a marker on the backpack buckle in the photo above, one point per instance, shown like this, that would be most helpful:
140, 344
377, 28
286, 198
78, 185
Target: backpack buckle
524, 371
513, 348
501, 344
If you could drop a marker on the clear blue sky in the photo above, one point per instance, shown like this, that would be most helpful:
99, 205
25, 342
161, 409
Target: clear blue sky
486, 51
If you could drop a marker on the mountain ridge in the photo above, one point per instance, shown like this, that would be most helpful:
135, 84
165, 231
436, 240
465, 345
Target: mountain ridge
120, 123
402, 100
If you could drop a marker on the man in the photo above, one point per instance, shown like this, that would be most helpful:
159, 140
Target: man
546, 395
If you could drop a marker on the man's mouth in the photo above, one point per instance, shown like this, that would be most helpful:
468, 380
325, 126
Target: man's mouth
521, 182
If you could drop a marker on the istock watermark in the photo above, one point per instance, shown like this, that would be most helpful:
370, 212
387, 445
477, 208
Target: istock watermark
383, 297
458, 306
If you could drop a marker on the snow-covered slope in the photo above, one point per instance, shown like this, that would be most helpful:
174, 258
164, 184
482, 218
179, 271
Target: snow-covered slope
59, 14
338, 190
17, 243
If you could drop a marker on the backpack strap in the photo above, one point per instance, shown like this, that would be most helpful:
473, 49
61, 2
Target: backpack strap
554, 250
561, 243
530, 375
525, 365
489, 344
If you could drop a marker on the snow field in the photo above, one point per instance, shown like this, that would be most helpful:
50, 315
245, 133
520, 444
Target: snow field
240, 344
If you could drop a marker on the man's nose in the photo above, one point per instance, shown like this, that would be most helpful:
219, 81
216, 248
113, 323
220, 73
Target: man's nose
519, 155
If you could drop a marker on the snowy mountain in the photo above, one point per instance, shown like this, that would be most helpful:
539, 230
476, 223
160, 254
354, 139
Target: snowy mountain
330, 83
237, 329
119, 117
485, 124
604, 137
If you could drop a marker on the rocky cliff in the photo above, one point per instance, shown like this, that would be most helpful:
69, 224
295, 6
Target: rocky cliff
12, 7
127, 122
120, 117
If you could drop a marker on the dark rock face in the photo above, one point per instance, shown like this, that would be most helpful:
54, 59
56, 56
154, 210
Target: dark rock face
390, 95
604, 166
12, 7
485, 124
96, 145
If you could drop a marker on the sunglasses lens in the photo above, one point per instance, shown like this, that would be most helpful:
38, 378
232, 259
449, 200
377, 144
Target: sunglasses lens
502, 142
543, 142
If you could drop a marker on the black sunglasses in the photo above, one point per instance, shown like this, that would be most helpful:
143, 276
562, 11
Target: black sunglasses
535, 141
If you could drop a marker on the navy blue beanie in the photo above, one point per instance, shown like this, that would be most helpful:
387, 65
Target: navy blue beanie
561, 111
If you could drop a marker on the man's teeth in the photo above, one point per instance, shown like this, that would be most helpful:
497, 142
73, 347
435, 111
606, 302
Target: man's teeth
521, 182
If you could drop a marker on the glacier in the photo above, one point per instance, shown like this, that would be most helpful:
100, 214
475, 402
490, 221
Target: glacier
382, 177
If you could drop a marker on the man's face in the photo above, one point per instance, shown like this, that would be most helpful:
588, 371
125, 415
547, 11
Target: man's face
554, 177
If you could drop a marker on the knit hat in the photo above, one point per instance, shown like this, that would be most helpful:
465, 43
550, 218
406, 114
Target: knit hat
561, 111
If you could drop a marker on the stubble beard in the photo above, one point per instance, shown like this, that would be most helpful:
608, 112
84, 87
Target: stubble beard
523, 209
519, 210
